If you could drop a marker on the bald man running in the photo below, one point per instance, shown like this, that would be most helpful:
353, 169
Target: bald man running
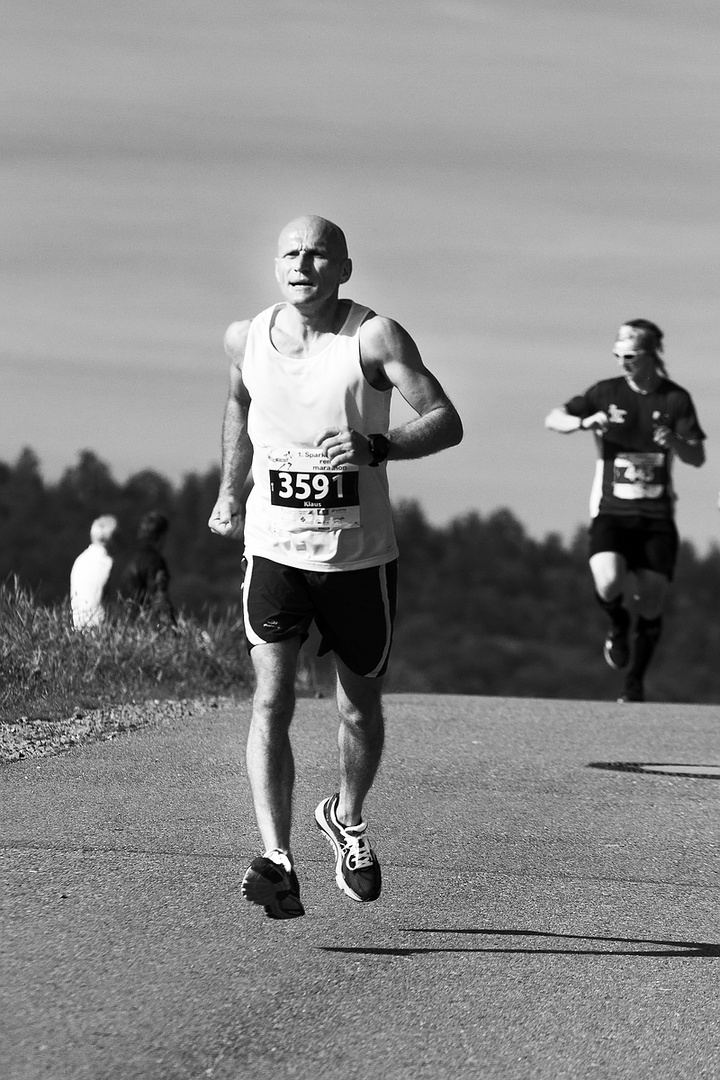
308, 414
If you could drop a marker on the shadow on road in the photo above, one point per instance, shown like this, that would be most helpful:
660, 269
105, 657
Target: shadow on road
665, 949
692, 772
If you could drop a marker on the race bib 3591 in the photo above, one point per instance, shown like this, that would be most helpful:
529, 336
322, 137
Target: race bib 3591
307, 492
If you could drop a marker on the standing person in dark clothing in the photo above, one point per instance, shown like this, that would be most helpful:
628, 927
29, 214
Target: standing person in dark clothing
641, 421
146, 577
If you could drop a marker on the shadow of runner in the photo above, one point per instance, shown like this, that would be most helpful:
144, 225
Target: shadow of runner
695, 772
665, 949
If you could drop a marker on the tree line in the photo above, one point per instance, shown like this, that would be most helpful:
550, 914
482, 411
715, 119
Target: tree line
484, 608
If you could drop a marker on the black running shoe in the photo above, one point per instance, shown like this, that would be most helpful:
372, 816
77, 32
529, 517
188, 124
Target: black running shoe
617, 647
633, 691
274, 888
357, 870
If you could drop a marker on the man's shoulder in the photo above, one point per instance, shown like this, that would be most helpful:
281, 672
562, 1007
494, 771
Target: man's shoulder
235, 338
374, 324
236, 335
382, 337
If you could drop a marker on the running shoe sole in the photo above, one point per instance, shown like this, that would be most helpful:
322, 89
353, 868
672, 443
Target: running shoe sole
270, 887
617, 651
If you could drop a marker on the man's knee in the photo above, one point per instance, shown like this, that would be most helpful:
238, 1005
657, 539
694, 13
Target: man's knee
273, 707
274, 699
364, 719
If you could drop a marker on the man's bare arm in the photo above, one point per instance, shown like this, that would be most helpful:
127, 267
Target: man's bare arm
437, 425
226, 517
391, 358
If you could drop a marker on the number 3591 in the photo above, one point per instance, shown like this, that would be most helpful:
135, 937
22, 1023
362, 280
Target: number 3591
326, 489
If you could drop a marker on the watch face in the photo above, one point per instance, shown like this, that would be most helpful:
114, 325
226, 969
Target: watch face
379, 447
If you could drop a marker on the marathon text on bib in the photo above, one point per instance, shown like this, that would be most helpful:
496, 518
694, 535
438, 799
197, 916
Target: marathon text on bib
639, 476
307, 492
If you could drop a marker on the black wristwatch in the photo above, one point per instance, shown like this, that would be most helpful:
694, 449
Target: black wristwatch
379, 448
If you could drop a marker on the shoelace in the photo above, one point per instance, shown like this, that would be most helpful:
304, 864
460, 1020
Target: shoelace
359, 853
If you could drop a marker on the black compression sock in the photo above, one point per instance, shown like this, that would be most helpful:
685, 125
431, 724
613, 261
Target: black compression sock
615, 611
645, 638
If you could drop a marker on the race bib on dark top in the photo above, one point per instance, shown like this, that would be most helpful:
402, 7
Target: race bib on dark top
307, 492
639, 475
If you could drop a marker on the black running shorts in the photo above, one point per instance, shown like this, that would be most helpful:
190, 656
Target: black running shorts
354, 610
645, 543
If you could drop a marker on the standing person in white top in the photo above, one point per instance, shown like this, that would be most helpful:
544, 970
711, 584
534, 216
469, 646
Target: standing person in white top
308, 412
90, 575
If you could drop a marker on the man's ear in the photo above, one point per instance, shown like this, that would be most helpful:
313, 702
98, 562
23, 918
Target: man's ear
346, 271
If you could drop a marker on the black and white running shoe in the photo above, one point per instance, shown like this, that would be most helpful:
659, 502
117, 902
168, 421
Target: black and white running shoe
357, 870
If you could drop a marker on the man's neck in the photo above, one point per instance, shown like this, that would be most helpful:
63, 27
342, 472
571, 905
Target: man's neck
299, 331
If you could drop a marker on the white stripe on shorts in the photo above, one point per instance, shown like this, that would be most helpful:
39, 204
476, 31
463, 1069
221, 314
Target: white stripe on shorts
252, 637
388, 626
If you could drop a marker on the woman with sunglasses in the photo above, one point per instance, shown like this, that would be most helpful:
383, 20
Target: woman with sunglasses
641, 421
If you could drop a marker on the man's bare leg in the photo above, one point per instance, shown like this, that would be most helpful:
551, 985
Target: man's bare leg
270, 880
360, 740
270, 763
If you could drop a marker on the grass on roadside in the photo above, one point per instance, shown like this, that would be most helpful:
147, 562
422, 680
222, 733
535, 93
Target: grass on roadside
47, 668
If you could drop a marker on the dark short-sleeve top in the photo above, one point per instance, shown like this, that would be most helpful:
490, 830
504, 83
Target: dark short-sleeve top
634, 473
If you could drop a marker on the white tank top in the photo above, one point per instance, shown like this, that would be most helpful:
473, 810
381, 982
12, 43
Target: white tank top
301, 511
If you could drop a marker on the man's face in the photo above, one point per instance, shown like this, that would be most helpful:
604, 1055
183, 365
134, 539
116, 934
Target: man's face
311, 264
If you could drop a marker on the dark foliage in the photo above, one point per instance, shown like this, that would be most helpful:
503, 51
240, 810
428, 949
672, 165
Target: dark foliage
484, 608
43, 527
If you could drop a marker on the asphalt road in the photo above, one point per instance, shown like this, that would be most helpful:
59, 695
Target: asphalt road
540, 918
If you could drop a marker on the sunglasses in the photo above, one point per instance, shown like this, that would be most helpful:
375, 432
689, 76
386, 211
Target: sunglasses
627, 355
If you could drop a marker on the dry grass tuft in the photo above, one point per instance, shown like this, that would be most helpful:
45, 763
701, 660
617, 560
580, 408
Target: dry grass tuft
48, 669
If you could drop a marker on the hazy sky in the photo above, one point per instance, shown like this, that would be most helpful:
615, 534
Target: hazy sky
515, 178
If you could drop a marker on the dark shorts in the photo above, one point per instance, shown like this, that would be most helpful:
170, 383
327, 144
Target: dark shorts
644, 543
354, 610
